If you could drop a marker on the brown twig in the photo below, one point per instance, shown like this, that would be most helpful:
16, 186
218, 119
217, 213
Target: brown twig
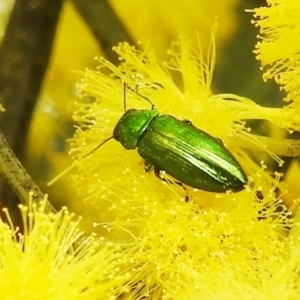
16, 176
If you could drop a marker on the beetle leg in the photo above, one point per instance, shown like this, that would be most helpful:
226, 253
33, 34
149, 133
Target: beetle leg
186, 198
148, 166
157, 173
186, 121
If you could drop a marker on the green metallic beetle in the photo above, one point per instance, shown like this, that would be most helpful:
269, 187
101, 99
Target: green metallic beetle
188, 154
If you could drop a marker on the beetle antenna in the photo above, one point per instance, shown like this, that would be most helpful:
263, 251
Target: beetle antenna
68, 169
124, 93
137, 92
97, 147
145, 98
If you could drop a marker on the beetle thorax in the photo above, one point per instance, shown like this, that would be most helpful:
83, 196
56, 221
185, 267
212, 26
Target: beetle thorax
132, 125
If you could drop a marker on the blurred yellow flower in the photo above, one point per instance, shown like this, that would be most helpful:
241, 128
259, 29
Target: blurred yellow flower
5, 8
161, 21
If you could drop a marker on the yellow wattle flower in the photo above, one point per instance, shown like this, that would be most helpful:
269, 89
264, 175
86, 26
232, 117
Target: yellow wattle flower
278, 48
212, 246
53, 260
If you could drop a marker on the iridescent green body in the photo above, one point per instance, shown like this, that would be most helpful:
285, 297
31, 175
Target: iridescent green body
190, 155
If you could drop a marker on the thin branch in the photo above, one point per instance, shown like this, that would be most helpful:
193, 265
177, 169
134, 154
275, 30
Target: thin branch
16, 176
